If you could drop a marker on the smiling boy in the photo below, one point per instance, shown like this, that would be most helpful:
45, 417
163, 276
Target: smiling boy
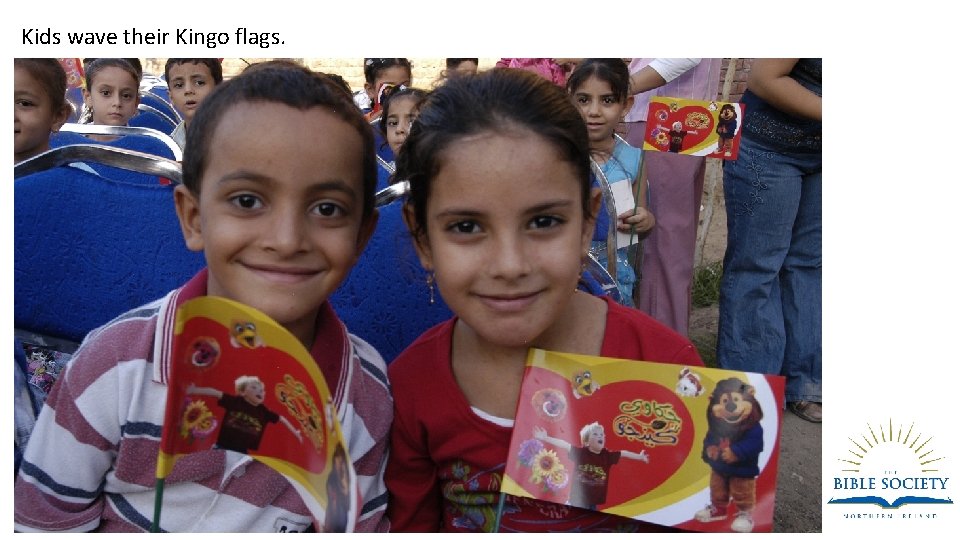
281, 219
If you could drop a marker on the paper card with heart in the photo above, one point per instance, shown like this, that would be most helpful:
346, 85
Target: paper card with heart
693, 127
690, 447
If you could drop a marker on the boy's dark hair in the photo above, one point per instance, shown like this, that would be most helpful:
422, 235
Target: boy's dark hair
51, 76
400, 91
454, 62
613, 71
216, 70
96, 65
499, 100
290, 85
341, 82
372, 67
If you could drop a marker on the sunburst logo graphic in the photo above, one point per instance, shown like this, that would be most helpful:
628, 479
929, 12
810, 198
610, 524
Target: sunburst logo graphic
891, 466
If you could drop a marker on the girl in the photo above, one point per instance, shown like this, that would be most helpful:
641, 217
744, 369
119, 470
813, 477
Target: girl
379, 72
39, 105
112, 93
400, 110
599, 87
501, 212
400, 105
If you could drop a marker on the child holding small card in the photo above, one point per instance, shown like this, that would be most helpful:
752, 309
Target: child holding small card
599, 87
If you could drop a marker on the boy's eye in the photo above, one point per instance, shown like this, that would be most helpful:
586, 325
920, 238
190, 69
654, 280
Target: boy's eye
178, 84
199, 82
247, 201
329, 209
543, 222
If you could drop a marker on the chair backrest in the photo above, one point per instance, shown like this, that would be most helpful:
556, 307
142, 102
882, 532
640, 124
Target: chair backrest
161, 103
87, 248
138, 139
385, 299
152, 118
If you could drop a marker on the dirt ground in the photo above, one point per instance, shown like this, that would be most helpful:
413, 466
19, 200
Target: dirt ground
798, 505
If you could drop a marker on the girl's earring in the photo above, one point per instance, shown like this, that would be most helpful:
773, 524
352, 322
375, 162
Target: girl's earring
431, 279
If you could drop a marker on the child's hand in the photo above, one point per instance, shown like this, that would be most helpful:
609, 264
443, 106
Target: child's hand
642, 221
539, 433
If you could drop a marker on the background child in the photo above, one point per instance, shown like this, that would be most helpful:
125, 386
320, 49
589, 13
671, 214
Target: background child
457, 67
399, 110
599, 87
189, 81
502, 212
39, 104
378, 72
280, 220
113, 91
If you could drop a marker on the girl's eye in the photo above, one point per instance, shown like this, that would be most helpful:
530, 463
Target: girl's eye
392, 123
105, 93
582, 99
544, 222
23, 103
608, 100
328, 209
247, 201
464, 227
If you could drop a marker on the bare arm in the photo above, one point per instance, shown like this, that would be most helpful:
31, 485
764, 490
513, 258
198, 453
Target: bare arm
204, 391
295, 431
541, 434
769, 79
660, 72
642, 456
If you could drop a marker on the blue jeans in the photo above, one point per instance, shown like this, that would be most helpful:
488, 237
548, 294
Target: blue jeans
770, 295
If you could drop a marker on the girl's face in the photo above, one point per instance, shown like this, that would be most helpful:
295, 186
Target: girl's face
113, 96
600, 109
403, 112
34, 116
395, 75
505, 235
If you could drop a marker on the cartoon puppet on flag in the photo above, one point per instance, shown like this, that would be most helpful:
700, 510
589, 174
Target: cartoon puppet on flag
242, 383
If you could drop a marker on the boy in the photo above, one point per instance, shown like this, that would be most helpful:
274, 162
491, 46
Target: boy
189, 81
593, 462
281, 219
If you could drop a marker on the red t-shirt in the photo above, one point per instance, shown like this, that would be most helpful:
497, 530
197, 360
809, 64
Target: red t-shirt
446, 463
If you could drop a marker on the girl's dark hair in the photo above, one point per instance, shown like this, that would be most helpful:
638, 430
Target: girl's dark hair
373, 67
499, 100
291, 85
610, 70
51, 76
401, 91
216, 70
99, 64
454, 62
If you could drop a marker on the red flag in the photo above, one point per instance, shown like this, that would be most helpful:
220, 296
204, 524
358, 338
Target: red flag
241, 382
74, 69
642, 440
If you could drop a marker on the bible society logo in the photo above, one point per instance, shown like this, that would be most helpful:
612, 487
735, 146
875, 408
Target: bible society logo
891, 472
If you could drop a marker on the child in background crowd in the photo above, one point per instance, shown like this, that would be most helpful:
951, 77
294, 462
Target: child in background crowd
281, 221
599, 89
457, 67
400, 106
39, 104
112, 93
379, 72
502, 212
189, 81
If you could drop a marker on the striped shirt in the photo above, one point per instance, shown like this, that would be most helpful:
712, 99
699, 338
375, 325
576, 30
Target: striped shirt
91, 461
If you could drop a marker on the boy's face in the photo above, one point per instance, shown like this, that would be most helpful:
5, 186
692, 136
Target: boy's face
595, 441
279, 211
253, 392
189, 84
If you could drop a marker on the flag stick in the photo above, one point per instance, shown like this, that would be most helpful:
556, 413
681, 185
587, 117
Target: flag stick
496, 522
157, 504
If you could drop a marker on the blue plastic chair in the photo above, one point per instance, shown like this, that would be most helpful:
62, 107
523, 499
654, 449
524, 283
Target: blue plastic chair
88, 248
149, 117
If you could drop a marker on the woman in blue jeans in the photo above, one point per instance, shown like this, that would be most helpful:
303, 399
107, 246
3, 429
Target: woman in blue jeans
770, 296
